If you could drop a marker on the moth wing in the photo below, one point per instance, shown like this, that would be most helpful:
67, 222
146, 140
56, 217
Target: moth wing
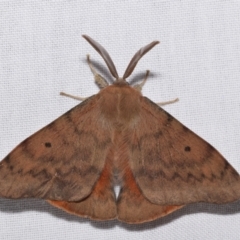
62, 161
100, 204
134, 207
173, 166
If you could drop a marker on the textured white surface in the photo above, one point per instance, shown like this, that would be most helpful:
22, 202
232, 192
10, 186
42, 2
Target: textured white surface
198, 60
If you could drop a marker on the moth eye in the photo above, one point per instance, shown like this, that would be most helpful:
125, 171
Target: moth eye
48, 144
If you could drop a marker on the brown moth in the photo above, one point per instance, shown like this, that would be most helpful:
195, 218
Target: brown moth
118, 135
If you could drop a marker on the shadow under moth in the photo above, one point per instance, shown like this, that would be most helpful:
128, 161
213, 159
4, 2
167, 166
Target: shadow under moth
118, 137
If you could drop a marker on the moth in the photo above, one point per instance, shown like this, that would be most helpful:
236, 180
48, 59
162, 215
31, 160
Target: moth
119, 137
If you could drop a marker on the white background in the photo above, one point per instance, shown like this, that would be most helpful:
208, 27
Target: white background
42, 53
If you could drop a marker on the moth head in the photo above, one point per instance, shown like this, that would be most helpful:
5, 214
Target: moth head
101, 50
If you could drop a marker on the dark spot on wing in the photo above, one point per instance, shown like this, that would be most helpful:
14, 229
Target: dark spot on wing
48, 144
187, 149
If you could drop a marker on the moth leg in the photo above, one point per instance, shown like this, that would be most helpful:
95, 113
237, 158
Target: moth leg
74, 97
140, 86
99, 80
168, 102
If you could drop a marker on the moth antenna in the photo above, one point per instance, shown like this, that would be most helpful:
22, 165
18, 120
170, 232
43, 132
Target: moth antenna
101, 50
137, 57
